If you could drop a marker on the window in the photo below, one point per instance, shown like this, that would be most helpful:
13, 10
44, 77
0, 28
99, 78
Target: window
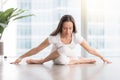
103, 26
33, 30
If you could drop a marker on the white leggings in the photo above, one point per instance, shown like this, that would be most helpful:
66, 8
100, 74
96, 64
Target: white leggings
63, 58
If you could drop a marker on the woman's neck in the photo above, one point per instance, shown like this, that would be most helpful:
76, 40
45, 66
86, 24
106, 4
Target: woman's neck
65, 36
66, 39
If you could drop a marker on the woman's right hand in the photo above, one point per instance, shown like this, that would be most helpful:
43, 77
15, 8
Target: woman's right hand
17, 61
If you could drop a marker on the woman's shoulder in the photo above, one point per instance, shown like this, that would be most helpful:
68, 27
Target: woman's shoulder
53, 39
54, 36
77, 37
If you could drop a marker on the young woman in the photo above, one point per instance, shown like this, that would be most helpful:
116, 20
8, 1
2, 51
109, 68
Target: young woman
64, 40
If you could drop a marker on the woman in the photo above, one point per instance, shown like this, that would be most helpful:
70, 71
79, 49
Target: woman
64, 40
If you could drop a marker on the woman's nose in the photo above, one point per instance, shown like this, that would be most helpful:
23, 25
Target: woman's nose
67, 30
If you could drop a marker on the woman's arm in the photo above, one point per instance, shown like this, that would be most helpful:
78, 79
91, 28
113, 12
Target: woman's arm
92, 51
33, 51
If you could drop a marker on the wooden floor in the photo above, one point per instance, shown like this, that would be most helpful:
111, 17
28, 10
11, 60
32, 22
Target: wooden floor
49, 71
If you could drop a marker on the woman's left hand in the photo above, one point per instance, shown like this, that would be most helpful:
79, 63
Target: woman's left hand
106, 61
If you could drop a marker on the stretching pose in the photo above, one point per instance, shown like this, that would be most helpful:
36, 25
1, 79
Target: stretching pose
64, 40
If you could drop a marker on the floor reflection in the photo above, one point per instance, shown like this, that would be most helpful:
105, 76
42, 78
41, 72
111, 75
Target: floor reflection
75, 72
99, 71
92, 71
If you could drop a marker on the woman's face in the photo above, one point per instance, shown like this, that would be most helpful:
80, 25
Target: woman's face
67, 28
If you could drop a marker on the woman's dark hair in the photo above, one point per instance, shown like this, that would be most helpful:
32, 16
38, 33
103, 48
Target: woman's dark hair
65, 18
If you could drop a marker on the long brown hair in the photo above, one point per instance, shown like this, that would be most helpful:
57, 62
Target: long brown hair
64, 18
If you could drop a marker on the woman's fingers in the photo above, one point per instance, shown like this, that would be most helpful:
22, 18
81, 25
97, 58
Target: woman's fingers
17, 61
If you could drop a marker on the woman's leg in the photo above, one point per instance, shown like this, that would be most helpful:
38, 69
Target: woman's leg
52, 56
82, 61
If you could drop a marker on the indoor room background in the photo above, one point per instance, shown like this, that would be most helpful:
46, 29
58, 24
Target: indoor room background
98, 21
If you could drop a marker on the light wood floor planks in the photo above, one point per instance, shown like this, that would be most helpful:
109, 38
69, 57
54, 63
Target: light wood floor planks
49, 71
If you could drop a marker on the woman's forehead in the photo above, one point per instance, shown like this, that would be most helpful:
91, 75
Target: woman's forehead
68, 24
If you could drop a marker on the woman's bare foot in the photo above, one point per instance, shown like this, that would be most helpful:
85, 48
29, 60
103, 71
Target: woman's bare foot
83, 61
91, 61
33, 61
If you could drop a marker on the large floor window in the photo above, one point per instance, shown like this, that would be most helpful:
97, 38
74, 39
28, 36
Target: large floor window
97, 20
30, 32
103, 26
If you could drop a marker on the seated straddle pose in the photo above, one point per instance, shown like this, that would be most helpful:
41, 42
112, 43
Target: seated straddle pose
64, 40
